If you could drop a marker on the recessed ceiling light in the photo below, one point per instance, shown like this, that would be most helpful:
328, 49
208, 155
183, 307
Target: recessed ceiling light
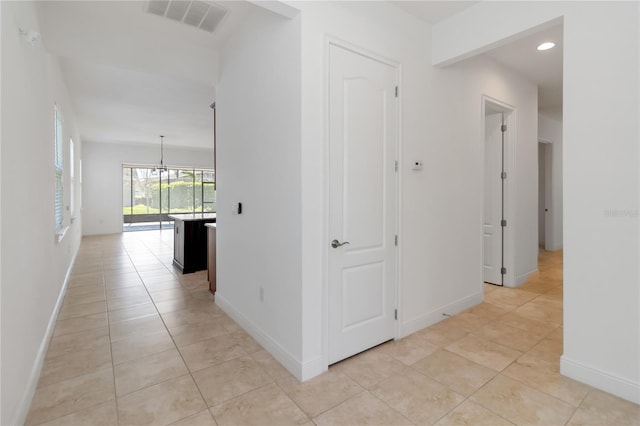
546, 46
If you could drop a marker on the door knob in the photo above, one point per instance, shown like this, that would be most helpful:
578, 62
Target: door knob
336, 243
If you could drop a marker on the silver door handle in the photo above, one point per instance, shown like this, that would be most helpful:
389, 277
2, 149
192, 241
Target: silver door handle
336, 243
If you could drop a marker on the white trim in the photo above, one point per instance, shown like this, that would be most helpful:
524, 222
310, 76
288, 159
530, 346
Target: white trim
553, 247
149, 145
151, 166
313, 368
522, 278
61, 233
510, 167
324, 308
330, 40
34, 377
286, 10
301, 371
398, 201
437, 315
603, 380
358, 50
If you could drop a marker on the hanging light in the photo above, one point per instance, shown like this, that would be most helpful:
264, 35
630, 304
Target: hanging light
161, 167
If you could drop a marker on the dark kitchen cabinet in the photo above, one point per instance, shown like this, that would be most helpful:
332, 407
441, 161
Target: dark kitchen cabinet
190, 241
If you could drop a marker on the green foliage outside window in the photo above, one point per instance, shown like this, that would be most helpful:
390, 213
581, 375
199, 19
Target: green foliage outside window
183, 193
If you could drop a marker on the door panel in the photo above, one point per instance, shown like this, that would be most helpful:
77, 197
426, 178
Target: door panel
362, 152
362, 294
492, 206
363, 186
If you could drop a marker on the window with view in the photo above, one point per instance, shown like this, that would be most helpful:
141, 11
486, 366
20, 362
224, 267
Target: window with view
72, 178
59, 171
150, 195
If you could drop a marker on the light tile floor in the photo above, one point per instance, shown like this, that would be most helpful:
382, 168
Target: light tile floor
137, 343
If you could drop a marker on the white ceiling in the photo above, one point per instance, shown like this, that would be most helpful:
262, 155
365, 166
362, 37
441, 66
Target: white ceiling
115, 104
433, 11
133, 76
542, 67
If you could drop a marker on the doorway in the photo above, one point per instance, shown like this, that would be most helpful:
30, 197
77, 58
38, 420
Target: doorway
495, 243
363, 126
544, 194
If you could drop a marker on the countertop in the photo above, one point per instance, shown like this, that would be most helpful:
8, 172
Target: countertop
193, 216
210, 225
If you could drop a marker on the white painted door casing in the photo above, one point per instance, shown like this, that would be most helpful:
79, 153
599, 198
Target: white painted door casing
362, 202
492, 205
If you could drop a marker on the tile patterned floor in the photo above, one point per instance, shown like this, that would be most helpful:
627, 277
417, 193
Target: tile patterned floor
136, 344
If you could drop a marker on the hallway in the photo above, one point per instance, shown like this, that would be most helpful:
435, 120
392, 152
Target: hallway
137, 343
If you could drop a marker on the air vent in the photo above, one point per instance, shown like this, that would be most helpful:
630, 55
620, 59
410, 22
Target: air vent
198, 14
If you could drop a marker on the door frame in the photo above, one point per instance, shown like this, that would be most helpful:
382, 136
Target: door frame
509, 112
548, 191
335, 41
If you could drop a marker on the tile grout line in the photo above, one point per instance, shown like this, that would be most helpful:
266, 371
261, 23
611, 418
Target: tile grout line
113, 365
109, 325
309, 418
177, 349
573, 413
279, 386
91, 406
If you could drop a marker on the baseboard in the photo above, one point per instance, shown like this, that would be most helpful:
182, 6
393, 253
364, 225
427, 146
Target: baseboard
521, 279
301, 371
554, 247
599, 379
25, 402
430, 318
312, 368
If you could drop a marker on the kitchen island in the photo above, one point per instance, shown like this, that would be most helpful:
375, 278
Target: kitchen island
190, 241
211, 255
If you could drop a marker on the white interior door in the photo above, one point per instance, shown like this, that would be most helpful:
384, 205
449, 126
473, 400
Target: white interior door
492, 214
542, 204
362, 198
545, 218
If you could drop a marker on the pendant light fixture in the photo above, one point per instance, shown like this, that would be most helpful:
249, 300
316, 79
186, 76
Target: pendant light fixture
161, 167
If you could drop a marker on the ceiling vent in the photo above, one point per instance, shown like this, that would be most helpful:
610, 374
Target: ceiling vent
199, 14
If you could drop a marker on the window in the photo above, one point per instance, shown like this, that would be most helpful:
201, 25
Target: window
149, 196
59, 171
72, 177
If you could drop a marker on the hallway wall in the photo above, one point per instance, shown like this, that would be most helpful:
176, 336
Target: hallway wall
440, 207
258, 137
271, 134
601, 171
34, 264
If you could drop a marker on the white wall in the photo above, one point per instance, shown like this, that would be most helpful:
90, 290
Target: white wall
258, 161
601, 173
34, 265
550, 129
102, 177
441, 124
